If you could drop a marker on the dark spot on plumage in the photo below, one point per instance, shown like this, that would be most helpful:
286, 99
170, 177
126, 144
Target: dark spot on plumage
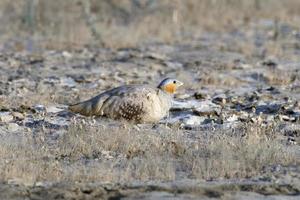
131, 111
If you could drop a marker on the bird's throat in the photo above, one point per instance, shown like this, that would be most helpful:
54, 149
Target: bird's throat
170, 88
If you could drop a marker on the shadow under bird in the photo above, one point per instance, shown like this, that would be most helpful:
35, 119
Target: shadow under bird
138, 103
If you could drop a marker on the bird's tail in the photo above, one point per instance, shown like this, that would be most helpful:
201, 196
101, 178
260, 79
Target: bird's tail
90, 107
83, 108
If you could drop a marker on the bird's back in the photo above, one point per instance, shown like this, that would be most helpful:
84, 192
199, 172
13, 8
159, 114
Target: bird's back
130, 102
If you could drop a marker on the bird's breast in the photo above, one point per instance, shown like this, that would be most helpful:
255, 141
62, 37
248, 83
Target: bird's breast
158, 106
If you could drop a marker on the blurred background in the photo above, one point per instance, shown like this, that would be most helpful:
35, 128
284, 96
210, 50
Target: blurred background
73, 24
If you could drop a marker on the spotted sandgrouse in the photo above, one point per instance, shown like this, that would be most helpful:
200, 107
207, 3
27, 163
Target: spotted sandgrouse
138, 103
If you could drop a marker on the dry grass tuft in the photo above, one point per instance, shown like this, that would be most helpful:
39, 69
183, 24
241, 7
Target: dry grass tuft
105, 154
238, 157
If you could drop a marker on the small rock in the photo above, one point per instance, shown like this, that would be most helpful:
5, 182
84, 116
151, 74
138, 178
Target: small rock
220, 99
292, 130
80, 79
194, 105
199, 95
157, 56
53, 109
6, 117
123, 55
14, 63
245, 66
42, 184
232, 118
267, 108
33, 59
13, 127
206, 108
244, 116
182, 96
68, 81
107, 154
58, 121
270, 118
257, 119
287, 118
15, 181
39, 108
193, 120
291, 141
269, 63
25, 108
18, 115
67, 54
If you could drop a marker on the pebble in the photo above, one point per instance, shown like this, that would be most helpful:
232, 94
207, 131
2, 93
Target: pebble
245, 66
220, 99
107, 154
68, 81
232, 118
67, 54
201, 96
291, 130
286, 118
18, 115
13, 127
193, 120
6, 117
206, 108
53, 109
39, 108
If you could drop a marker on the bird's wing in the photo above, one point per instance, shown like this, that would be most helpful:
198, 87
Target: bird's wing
129, 102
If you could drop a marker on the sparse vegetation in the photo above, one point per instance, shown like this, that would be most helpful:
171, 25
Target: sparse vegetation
87, 153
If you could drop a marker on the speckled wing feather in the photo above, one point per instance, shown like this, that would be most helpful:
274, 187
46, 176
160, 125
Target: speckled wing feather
129, 102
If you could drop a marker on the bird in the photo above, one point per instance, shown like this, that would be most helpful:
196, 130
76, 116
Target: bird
136, 103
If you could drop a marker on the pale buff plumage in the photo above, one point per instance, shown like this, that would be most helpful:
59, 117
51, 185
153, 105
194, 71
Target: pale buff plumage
139, 103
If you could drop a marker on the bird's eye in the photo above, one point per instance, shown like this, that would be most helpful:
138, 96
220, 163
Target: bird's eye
174, 82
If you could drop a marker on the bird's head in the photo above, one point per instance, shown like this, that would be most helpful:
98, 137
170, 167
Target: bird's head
169, 85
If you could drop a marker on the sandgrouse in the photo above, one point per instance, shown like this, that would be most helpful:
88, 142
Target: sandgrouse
138, 103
